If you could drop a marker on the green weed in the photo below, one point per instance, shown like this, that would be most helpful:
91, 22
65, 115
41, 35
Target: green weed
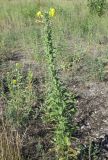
59, 104
20, 97
97, 6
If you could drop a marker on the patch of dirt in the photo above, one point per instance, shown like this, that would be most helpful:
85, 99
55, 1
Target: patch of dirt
92, 115
93, 107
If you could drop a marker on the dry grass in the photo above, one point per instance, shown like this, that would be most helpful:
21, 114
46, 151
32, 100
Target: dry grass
9, 143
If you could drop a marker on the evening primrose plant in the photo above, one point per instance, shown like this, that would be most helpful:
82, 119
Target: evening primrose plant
59, 103
20, 97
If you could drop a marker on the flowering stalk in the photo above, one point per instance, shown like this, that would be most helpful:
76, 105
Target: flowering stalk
56, 100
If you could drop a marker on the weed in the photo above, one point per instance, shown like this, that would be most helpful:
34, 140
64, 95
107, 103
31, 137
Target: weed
59, 104
97, 6
99, 69
21, 96
95, 68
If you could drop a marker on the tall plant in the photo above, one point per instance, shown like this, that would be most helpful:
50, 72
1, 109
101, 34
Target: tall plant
59, 103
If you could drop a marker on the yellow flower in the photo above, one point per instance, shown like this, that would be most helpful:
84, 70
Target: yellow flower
14, 81
52, 12
39, 14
